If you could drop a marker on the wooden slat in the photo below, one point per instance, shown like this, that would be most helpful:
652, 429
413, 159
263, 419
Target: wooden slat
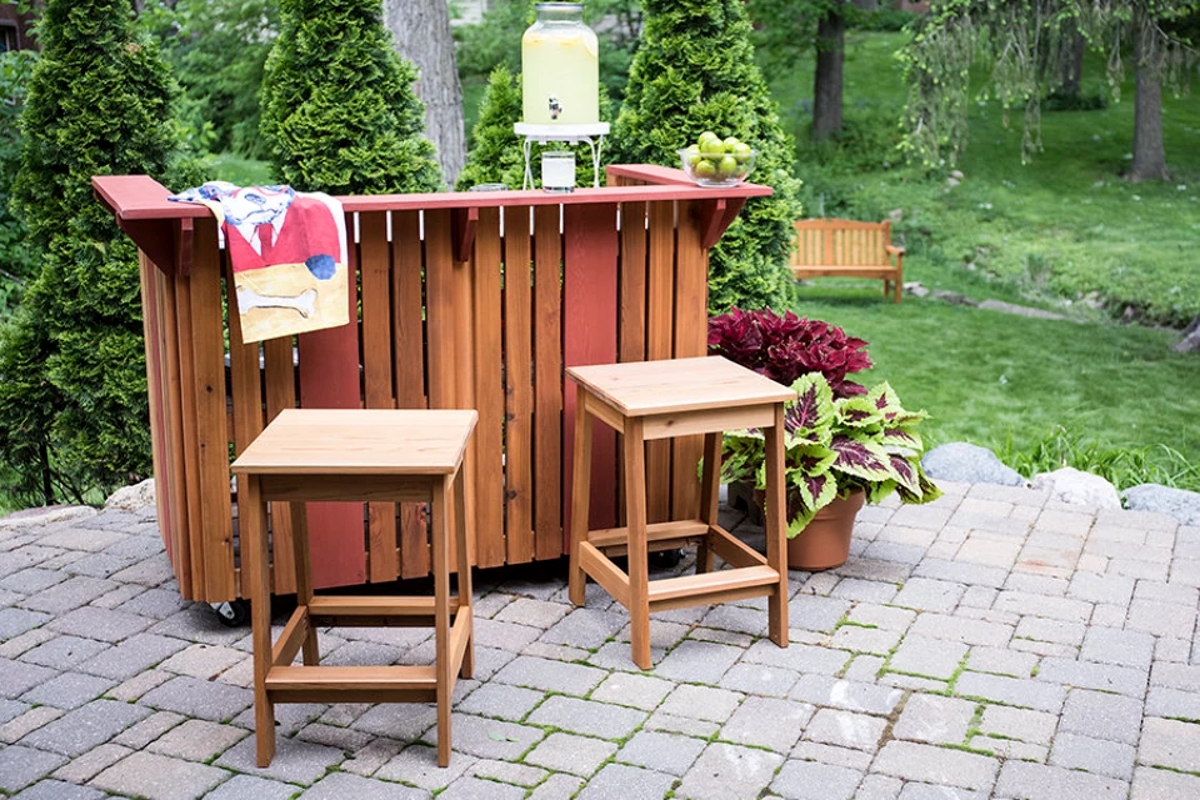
488, 393
725, 584
279, 359
208, 389
548, 384
336, 530
518, 386
409, 372
691, 340
245, 376
375, 271
162, 371
660, 331
346, 605
590, 248
439, 310
188, 439
632, 320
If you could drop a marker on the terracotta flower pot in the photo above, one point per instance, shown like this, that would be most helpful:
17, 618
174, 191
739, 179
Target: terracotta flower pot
825, 542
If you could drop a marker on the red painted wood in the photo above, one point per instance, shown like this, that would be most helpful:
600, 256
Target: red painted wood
336, 532
590, 249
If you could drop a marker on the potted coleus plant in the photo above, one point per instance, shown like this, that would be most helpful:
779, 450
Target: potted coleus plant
844, 444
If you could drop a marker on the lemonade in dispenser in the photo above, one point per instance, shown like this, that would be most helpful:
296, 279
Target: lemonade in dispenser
560, 68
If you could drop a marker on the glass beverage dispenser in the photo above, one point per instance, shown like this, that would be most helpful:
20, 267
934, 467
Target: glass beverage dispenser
560, 68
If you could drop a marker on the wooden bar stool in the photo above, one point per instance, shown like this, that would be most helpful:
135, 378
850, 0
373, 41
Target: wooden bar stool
657, 400
356, 455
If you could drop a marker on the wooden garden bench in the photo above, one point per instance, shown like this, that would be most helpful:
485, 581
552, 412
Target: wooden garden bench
848, 248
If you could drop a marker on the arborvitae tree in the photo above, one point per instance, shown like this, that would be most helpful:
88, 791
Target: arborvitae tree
495, 155
695, 71
339, 114
73, 407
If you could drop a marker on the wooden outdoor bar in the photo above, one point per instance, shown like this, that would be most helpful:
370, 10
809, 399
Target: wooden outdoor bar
464, 300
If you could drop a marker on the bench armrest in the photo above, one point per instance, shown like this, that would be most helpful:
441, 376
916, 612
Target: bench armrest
894, 249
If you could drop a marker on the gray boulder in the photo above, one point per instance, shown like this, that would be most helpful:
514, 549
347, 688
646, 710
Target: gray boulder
1178, 503
969, 463
1069, 485
132, 498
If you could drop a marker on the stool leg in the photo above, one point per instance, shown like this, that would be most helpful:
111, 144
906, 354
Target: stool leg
581, 486
441, 616
462, 487
635, 515
710, 495
253, 524
776, 530
304, 592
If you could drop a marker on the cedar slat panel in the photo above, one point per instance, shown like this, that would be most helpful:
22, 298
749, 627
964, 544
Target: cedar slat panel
439, 310
633, 280
660, 330
590, 248
336, 531
548, 384
161, 362
518, 386
279, 360
409, 351
442, 279
245, 377
168, 301
691, 340
488, 393
383, 553
189, 438
212, 452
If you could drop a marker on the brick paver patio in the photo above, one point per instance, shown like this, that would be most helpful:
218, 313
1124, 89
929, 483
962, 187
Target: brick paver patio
989, 645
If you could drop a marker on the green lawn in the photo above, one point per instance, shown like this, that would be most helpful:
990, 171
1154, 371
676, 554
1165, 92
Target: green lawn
1053, 233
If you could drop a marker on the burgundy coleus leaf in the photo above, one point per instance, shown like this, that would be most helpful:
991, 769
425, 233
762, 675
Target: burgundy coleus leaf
902, 439
857, 412
861, 458
811, 414
905, 473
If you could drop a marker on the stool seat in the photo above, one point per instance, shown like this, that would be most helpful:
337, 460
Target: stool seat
356, 455
644, 388
651, 400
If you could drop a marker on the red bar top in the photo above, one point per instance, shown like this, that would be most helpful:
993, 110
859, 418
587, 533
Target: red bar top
140, 197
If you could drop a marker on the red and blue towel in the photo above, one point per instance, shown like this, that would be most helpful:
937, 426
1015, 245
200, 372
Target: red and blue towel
288, 253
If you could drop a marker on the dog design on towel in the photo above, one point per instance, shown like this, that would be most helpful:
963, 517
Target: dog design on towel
287, 250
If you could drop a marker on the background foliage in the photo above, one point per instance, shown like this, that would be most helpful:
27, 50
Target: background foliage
15, 263
339, 112
73, 408
694, 72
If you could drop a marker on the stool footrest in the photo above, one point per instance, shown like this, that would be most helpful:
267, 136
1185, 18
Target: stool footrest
656, 533
712, 587
343, 606
343, 684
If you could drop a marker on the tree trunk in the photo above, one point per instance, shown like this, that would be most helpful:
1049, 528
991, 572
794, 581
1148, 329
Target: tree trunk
827, 82
1149, 155
1072, 73
1191, 338
422, 32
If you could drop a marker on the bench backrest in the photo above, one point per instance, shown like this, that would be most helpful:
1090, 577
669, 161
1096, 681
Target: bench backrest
841, 242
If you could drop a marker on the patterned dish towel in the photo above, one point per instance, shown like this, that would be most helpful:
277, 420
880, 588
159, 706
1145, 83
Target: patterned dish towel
288, 253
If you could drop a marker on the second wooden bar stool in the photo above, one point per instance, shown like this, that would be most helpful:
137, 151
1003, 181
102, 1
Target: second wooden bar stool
657, 400
357, 455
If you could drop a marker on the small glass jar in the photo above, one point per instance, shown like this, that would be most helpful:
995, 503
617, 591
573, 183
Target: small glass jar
560, 68
558, 171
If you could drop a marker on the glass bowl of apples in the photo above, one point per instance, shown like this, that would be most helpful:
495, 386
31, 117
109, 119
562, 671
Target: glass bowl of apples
713, 161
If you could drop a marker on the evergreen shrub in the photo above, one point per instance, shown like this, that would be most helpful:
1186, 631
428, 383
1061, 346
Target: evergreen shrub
73, 406
339, 114
695, 71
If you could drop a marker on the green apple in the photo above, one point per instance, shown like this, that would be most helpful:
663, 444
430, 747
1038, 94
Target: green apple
727, 167
705, 169
713, 146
